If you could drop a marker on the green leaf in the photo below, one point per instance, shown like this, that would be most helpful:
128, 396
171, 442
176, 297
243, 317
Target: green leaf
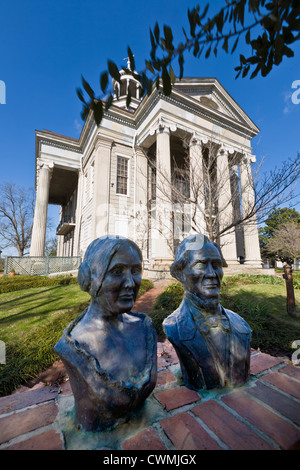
192, 22
181, 62
242, 59
131, 59
238, 74
204, 12
156, 32
172, 75
235, 44
247, 37
196, 49
109, 102
104, 81
98, 112
168, 38
153, 46
87, 88
149, 66
220, 21
207, 53
80, 95
257, 69
128, 98
85, 112
113, 70
287, 51
167, 87
245, 71
225, 44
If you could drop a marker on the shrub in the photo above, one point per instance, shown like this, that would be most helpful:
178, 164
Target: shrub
12, 284
252, 279
168, 301
146, 285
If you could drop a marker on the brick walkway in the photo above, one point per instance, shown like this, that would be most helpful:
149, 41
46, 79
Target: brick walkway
263, 414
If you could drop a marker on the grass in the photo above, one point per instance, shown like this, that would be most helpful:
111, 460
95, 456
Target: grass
260, 300
31, 322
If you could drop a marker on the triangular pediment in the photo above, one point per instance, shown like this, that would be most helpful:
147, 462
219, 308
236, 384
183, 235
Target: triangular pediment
212, 96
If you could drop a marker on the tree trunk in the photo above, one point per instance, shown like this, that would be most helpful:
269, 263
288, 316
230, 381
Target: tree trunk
290, 300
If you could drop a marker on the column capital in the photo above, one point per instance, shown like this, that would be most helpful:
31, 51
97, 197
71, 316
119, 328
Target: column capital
163, 126
226, 149
45, 165
197, 139
103, 142
248, 158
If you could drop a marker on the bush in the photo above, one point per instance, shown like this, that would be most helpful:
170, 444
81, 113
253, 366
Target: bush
12, 284
145, 286
252, 279
168, 301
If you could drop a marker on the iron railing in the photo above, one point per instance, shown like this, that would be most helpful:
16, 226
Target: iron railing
41, 265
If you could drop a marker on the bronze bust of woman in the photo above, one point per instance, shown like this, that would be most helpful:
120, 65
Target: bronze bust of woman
110, 353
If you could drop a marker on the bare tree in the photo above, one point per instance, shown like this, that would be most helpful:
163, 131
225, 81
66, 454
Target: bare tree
217, 193
286, 242
16, 217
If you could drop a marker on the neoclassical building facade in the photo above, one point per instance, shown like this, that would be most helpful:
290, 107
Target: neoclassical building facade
141, 174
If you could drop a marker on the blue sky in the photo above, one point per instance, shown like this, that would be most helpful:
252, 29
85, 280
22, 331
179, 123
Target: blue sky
45, 47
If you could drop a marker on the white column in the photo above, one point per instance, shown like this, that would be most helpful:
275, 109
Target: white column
237, 211
251, 240
78, 215
102, 187
163, 232
141, 209
197, 192
225, 208
38, 239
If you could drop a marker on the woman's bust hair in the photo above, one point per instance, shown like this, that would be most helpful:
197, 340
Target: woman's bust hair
97, 259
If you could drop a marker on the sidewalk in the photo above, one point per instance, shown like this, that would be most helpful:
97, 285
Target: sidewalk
263, 414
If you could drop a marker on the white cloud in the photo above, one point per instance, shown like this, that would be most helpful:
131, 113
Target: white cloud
77, 125
288, 104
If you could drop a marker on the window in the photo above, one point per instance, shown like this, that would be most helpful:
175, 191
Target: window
182, 184
153, 183
122, 175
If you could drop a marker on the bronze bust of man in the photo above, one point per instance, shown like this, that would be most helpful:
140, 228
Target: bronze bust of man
212, 343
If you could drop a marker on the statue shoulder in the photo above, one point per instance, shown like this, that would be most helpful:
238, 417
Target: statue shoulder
237, 322
170, 324
140, 317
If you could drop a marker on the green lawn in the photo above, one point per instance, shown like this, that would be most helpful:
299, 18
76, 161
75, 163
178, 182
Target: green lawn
263, 306
31, 322
24, 311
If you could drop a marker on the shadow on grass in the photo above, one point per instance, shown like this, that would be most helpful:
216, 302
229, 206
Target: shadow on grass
17, 300
25, 313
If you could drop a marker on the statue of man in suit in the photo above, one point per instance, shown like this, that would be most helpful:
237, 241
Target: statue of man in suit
212, 343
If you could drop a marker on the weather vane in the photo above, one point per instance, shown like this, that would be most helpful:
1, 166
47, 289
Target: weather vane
128, 61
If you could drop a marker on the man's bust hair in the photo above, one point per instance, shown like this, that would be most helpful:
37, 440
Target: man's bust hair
192, 242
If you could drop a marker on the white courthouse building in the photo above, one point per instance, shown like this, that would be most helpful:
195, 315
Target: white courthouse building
115, 179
